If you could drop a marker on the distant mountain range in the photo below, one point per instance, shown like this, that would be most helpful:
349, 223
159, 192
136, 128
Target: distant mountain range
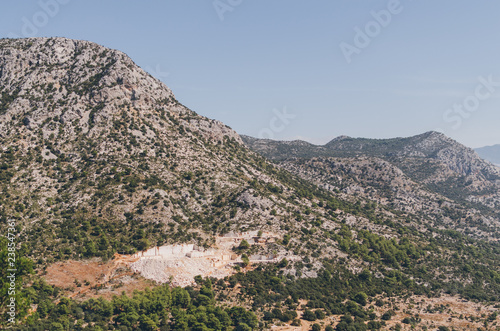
490, 153
413, 175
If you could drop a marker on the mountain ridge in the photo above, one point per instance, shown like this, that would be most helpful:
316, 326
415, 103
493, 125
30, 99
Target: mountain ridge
429, 144
430, 161
99, 162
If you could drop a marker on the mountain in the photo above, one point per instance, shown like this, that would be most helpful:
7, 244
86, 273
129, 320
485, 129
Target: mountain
98, 157
430, 145
100, 165
490, 153
431, 160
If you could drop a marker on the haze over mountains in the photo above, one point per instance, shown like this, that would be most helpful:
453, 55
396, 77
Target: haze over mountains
490, 153
98, 157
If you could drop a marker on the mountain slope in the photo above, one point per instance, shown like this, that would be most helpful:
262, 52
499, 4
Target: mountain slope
428, 175
88, 135
97, 157
430, 145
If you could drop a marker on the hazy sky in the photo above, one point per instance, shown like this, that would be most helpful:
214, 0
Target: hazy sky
293, 69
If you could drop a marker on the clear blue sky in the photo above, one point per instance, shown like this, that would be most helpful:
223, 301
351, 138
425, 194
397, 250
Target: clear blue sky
267, 57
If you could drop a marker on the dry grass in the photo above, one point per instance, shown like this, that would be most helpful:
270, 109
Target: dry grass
91, 279
448, 311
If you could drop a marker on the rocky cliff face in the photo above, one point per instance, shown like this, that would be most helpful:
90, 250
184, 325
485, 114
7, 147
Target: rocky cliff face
83, 86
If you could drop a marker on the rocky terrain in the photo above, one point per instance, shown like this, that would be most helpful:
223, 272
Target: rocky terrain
86, 134
430, 176
100, 162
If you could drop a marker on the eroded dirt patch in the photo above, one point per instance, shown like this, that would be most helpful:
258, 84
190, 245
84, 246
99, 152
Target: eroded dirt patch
91, 279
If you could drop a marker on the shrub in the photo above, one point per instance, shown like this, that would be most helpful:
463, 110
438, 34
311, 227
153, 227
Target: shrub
319, 314
309, 315
361, 298
316, 327
387, 315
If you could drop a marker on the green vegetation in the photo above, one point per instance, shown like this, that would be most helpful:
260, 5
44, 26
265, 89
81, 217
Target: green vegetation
161, 308
23, 269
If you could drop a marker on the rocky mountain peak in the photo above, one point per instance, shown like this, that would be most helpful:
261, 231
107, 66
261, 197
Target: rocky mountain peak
83, 86
457, 157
